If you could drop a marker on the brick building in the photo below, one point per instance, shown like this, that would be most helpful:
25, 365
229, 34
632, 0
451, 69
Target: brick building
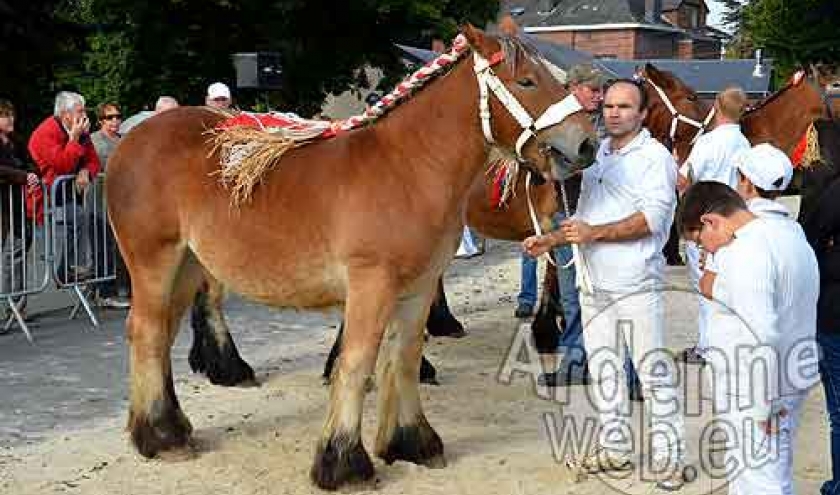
622, 29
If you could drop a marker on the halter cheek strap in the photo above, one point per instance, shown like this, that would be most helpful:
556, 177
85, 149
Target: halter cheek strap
488, 81
677, 117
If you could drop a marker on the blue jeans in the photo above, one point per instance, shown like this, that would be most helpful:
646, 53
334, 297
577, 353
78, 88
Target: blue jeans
528, 281
830, 372
574, 357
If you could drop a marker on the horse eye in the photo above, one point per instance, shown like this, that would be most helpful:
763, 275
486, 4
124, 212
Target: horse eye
692, 98
526, 82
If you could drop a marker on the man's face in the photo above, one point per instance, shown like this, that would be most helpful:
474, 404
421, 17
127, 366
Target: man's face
7, 124
622, 115
68, 116
589, 96
218, 102
713, 233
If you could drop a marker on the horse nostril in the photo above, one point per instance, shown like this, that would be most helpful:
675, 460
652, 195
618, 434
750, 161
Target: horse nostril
587, 150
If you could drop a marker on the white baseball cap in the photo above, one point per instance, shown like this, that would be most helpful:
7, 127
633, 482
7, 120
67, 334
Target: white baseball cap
218, 90
766, 166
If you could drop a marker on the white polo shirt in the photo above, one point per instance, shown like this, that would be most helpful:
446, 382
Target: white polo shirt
640, 177
768, 279
712, 157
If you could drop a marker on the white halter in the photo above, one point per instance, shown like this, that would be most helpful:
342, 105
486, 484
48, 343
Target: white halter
677, 117
487, 80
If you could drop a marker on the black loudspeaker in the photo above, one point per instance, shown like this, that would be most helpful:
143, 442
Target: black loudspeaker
259, 70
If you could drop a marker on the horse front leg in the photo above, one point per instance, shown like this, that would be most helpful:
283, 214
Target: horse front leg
340, 456
403, 431
213, 351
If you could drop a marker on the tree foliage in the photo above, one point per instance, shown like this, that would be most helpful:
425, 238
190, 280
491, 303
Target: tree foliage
132, 52
793, 32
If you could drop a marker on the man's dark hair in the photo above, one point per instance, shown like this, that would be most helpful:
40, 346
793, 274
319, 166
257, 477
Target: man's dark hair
763, 193
639, 85
6, 108
707, 197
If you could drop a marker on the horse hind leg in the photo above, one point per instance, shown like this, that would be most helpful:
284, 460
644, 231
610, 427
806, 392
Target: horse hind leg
213, 351
340, 456
156, 423
404, 432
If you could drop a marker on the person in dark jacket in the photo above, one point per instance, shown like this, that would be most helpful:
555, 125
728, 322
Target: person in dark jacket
16, 172
822, 227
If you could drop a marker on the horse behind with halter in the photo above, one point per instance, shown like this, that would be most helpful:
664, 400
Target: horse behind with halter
369, 218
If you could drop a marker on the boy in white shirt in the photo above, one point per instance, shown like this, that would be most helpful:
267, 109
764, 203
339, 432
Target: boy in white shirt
768, 282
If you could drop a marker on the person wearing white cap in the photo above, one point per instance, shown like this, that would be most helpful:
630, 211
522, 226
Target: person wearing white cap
218, 96
762, 347
712, 158
764, 172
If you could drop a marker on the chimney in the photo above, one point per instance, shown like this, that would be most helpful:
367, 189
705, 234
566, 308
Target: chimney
758, 71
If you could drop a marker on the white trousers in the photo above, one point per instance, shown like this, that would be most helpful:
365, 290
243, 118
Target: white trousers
760, 463
703, 314
610, 321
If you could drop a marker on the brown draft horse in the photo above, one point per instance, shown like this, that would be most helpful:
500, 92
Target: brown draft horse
323, 229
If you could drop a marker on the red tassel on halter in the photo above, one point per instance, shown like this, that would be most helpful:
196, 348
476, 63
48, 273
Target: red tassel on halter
799, 152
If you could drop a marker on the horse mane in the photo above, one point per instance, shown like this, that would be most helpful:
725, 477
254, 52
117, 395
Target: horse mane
766, 101
248, 153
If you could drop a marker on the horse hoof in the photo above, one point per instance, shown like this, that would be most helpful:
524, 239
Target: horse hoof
340, 460
419, 444
233, 372
169, 431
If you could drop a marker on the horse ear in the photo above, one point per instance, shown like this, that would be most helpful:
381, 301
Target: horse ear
479, 41
650, 69
508, 26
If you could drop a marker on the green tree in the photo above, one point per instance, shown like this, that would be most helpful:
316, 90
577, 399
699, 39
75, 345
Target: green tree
794, 32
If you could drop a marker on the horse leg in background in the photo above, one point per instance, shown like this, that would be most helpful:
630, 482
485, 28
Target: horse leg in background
544, 328
340, 456
213, 351
428, 373
156, 422
403, 432
671, 250
441, 322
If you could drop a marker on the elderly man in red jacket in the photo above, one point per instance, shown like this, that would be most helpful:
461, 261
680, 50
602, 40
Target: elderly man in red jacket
61, 145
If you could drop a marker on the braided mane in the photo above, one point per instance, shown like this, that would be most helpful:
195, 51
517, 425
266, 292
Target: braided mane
248, 151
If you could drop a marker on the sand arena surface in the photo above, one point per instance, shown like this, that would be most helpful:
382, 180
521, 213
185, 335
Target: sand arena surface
64, 407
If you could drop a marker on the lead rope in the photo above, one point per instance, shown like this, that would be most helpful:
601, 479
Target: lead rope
582, 278
533, 213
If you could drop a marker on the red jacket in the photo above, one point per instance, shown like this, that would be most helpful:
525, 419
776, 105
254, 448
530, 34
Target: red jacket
54, 155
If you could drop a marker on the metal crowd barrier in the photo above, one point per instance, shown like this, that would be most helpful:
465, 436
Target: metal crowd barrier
21, 275
73, 248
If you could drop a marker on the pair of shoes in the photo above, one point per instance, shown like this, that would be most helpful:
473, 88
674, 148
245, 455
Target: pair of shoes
524, 310
562, 379
692, 355
114, 303
668, 474
675, 261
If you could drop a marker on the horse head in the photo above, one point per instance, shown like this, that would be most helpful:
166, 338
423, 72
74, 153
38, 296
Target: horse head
532, 113
676, 117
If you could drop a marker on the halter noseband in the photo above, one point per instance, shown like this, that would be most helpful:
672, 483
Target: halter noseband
677, 117
489, 81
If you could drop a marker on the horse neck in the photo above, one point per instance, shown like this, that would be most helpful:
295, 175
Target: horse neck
784, 119
436, 137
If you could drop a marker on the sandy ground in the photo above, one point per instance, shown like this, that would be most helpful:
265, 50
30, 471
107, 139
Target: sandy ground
261, 440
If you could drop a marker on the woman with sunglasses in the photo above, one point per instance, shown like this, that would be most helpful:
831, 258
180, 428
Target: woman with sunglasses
105, 140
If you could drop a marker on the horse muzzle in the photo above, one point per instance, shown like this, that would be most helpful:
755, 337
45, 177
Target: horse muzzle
569, 159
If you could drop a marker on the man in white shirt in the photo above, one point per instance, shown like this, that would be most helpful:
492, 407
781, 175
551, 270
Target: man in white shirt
624, 215
712, 159
762, 350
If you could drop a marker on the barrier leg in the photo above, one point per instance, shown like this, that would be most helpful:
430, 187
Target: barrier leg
83, 301
16, 314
